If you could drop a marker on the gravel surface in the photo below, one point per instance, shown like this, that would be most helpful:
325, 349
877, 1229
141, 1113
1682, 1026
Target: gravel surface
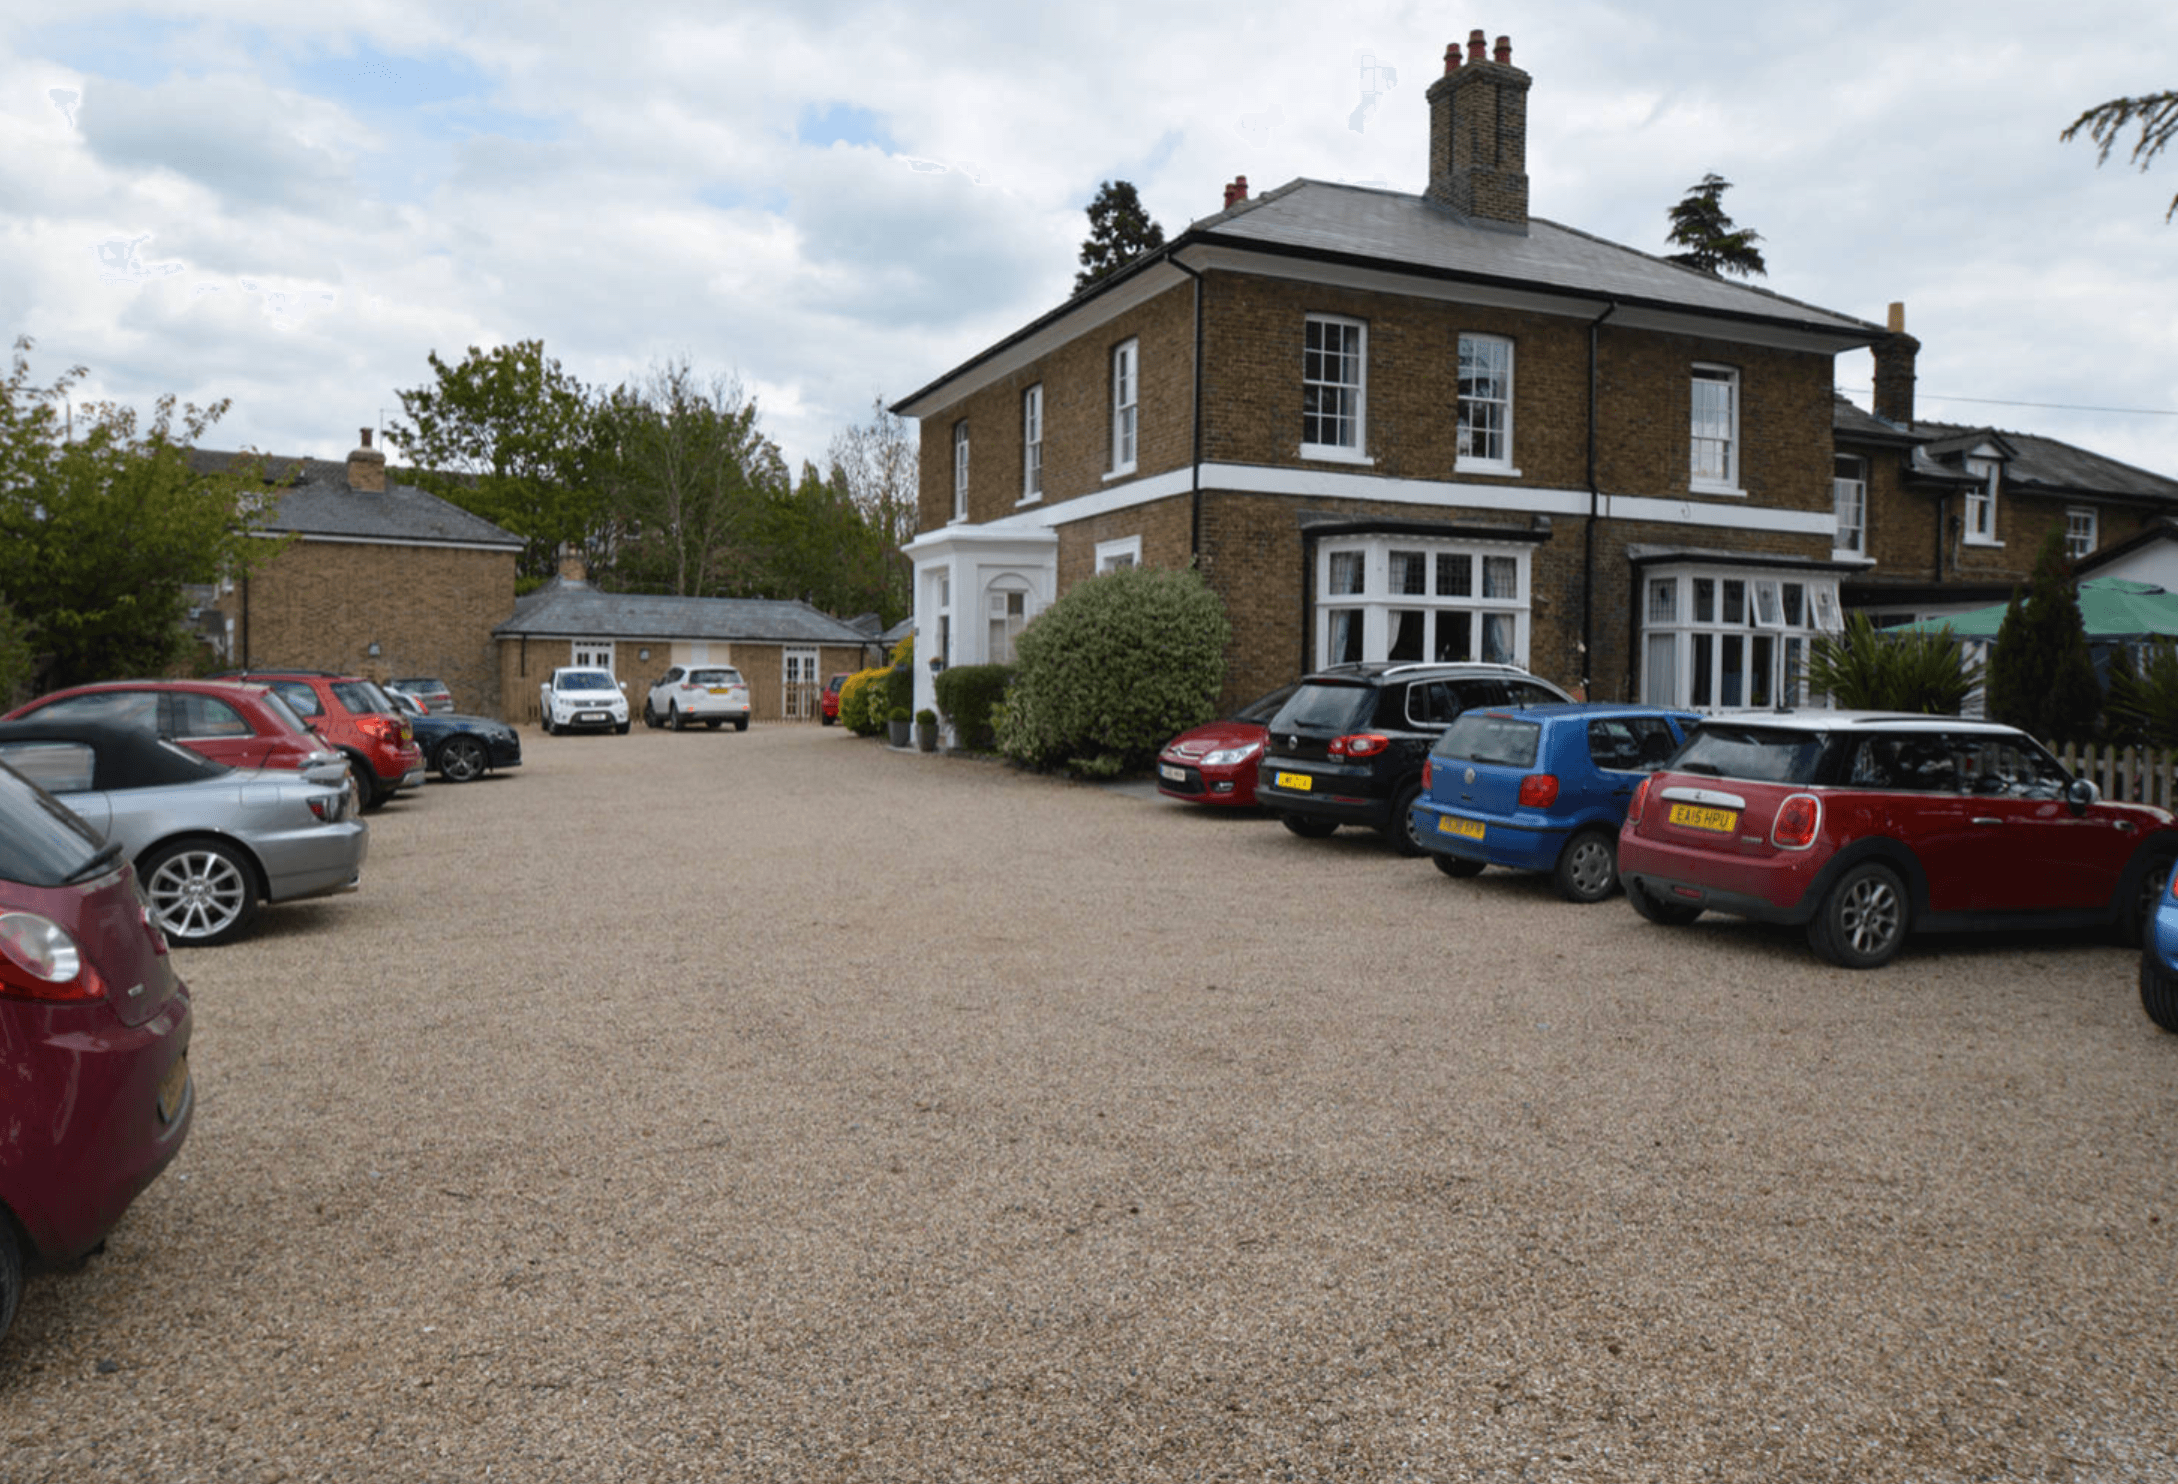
779, 1106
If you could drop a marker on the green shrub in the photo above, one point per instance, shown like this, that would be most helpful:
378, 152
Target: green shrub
898, 716
2143, 704
2042, 676
900, 686
856, 711
1871, 669
926, 717
967, 694
1108, 673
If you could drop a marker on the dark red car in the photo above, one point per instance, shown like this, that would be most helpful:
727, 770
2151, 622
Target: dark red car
95, 1097
1867, 827
354, 715
828, 704
1215, 763
241, 725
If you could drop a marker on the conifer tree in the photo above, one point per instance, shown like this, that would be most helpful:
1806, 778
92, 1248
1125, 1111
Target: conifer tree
2042, 678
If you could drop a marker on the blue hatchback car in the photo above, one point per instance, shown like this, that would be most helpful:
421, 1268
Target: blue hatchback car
1542, 789
2159, 959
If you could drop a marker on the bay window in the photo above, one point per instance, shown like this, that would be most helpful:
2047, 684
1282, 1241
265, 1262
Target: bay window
1421, 599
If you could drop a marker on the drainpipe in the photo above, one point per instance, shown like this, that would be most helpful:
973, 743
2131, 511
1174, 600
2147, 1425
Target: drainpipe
1595, 501
1194, 481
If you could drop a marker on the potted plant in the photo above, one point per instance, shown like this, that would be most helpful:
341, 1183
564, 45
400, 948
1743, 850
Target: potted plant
926, 730
898, 722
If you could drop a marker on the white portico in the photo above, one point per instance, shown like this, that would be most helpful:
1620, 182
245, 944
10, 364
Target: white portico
976, 588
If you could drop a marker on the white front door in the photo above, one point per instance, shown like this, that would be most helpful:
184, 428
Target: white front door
594, 652
801, 686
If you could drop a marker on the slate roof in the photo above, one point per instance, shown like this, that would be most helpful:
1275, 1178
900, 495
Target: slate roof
564, 608
313, 499
2032, 463
1848, 420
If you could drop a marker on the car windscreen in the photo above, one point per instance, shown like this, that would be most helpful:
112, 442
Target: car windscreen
584, 680
1491, 737
1320, 706
42, 842
1757, 754
714, 677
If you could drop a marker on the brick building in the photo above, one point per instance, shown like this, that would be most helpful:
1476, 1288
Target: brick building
379, 579
1391, 426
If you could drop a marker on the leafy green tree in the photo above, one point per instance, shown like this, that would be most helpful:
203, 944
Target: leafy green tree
507, 434
1120, 231
1713, 244
1871, 669
820, 546
17, 662
1112, 669
875, 464
106, 526
2155, 113
2042, 677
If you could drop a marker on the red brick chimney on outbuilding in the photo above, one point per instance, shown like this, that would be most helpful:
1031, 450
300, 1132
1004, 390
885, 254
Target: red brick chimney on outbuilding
1478, 135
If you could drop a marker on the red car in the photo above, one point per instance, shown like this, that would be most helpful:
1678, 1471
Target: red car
829, 704
1215, 763
1865, 828
243, 726
95, 1097
354, 715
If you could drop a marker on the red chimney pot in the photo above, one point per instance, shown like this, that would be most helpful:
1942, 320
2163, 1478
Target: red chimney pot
1504, 51
1475, 44
1452, 58
366, 436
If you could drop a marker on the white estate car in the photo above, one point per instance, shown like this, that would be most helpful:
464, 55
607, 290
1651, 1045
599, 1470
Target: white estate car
580, 697
686, 694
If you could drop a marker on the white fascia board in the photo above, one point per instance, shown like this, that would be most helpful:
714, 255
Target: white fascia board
988, 539
1070, 325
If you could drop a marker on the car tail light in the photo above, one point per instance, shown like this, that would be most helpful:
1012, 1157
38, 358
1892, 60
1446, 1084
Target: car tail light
1359, 744
1428, 772
1538, 790
1641, 796
39, 961
377, 726
1798, 818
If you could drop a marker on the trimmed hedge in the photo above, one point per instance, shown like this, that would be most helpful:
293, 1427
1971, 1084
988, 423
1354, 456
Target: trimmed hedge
1109, 672
966, 694
856, 711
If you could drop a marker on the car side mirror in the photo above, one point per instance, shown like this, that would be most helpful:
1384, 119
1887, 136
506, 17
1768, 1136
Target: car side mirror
2080, 793
623, 685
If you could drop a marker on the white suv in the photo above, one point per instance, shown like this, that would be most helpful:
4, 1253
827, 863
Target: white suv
686, 694
581, 697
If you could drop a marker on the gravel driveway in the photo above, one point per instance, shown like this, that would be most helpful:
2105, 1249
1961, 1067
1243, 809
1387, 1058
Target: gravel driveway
778, 1107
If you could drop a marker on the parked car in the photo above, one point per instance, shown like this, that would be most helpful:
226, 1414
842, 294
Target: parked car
710, 694
2159, 959
460, 749
1348, 746
95, 1096
1543, 789
429, 690
354, 715
229, 721
1867, 827
1215, 763
828, 704
210, 845
582, 698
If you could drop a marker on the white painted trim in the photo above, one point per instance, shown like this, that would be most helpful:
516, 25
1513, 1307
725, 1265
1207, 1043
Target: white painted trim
1120, 546
1332, 453
1488, 470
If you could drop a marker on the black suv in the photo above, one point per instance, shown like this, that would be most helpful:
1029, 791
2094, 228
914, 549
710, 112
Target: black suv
1348, 748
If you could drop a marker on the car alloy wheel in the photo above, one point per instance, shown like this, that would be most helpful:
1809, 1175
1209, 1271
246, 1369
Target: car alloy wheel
461, 760
201, 891
1587, 867
1862, 922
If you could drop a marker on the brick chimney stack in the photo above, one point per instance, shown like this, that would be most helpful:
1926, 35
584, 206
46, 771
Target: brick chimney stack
367, 468
1478, 135
1894, 357
572, 566
1237, 192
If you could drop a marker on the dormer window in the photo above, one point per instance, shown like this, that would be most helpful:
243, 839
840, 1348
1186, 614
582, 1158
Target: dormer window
1981, 502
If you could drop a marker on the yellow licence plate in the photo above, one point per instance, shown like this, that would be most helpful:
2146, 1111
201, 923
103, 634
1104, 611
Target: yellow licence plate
1298, 781
1471, 828
1695, 817
718, 690
172, 1087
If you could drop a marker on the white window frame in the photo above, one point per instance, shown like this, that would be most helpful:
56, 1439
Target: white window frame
999, 601
960, 470
1126, 407
1339, 453
1981, 502
1707, 373
1032, 444
1379, 611
943, 612
1849, 496
2082, 531
1464, 462
1668, 649
1124, 551
592, 654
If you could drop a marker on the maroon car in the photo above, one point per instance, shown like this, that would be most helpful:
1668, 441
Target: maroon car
95, 1097
241, 725
1867, 827
1215, 763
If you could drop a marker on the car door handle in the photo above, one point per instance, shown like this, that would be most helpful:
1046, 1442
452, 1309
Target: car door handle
1987, 819
2124, 824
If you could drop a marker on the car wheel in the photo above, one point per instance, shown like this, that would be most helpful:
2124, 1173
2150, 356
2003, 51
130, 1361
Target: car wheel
2158, 992
548, 723
1665, 914
1862, 922
822, 720
1456, 866
1399, 832
1587, 867
674, 720
11, 1274
650, 714
201, 891
1309, 829
622, 729
742, 725
2135, 926
462, 760
370, 794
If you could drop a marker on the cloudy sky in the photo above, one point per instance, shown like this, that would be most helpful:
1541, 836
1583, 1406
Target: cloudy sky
290, 205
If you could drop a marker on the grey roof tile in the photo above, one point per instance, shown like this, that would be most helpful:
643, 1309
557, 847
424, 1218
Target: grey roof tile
314, 500
571, 609
2048, 464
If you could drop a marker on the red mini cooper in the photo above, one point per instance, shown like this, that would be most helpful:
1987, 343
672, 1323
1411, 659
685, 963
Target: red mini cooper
1867, 827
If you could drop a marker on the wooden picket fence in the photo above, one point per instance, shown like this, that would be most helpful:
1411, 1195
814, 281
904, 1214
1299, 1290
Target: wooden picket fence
2139, 775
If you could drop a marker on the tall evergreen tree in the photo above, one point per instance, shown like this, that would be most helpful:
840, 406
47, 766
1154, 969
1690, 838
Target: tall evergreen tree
2042, 678
1120, 231
1713, 244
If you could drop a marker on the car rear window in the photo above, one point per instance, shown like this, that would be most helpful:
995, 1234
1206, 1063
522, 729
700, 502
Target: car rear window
714, 677
1757, 754
1491, 737
1630, 744
42, 842
129, 708
1318, 706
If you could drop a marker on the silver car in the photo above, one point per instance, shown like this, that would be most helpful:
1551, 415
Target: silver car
210, 844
